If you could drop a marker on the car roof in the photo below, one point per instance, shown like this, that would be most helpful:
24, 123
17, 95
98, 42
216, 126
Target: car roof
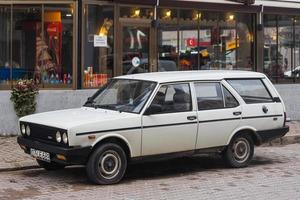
205, 75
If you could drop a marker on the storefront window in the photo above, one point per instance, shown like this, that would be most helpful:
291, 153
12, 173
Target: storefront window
167, 39
42, 44
5, 45
135, 52
245, 42
136, 13
296, 72
55, 47
228, 41
285, 46
209, 42
270, 45
26, 32
98, 45
219, 40
281, 49
188, 39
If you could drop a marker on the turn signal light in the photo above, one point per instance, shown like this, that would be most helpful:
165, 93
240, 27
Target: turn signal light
92, 137
61, 157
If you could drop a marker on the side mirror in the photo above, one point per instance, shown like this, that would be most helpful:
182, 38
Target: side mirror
276, 99
153, 109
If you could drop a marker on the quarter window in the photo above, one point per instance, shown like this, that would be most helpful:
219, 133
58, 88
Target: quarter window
172, 98
251, 90
230, 101
209, 96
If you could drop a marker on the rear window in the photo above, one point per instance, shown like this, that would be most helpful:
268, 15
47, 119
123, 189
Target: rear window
251, 90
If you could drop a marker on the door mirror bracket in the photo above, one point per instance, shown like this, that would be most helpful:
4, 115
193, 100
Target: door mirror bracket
153, 109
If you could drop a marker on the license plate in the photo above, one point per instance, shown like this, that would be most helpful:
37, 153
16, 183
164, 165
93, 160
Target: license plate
41, 155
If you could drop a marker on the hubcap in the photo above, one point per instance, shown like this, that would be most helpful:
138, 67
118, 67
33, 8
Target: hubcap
109, 164
241, 150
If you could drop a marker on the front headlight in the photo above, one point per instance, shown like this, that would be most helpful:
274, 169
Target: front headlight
28, 130
65, 138
58, 137
23, 129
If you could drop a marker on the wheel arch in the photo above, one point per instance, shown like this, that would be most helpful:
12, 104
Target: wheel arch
249, 130
114, 138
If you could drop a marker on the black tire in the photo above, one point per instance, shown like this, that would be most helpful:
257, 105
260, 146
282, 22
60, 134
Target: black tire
239, 152
107, 164
50, 166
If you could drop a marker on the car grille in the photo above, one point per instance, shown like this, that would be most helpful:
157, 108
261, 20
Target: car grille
44, 133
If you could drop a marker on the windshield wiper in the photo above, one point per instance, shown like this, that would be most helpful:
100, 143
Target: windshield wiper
110, 107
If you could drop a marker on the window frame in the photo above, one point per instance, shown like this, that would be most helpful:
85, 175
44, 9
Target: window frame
238, 103
223, 96
219, 82
168, 84
263, 83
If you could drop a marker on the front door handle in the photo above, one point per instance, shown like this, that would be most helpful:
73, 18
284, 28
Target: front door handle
237, 113
192, 118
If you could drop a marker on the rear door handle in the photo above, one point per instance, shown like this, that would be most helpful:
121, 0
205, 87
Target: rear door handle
237, 113
192, 118
265, 109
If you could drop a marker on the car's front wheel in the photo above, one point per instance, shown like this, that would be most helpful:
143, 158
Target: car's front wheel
107, 164
240, 151
50, 166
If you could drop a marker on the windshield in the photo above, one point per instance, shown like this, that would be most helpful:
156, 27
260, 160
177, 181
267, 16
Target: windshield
123, 95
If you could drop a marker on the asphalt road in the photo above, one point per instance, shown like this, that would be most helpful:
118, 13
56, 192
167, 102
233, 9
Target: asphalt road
273, 174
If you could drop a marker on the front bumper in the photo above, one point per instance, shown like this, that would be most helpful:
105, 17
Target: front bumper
268, 135
73, 155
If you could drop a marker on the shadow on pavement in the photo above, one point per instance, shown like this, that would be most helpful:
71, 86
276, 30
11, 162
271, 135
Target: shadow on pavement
151, 170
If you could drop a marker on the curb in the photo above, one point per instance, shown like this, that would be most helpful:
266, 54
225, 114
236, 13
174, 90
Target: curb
286, 140
19, 168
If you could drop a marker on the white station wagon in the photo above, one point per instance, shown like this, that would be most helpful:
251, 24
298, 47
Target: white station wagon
155, 115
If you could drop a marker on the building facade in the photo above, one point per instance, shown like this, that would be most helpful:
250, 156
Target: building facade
67, 45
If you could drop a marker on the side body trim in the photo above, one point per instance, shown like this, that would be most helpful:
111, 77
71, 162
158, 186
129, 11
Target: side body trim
176, 124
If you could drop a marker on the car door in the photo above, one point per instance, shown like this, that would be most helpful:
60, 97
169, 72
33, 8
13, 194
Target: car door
170, 123
219, 114
260, 110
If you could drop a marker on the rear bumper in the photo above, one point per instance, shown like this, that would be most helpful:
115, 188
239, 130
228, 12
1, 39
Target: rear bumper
268, 135
74, 156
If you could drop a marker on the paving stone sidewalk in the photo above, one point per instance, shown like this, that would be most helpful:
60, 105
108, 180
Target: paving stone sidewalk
12, 156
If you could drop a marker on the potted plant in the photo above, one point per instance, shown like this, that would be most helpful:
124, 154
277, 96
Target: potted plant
23, 97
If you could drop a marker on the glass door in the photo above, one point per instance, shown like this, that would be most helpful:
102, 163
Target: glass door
135, 49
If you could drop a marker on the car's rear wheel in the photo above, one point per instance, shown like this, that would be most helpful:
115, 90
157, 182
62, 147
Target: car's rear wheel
107, 164
50, 166
239, 152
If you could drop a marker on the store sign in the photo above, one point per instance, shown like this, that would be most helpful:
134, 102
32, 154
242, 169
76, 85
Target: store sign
193, 42
100, 41
136, 61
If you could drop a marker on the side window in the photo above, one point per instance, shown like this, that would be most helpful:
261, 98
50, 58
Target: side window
209, 96
230, 101
251, 90
172, 98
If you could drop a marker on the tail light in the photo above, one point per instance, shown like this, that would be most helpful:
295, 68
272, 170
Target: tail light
284, 122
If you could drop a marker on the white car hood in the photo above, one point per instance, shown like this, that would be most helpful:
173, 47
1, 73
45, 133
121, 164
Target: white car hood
67, 119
